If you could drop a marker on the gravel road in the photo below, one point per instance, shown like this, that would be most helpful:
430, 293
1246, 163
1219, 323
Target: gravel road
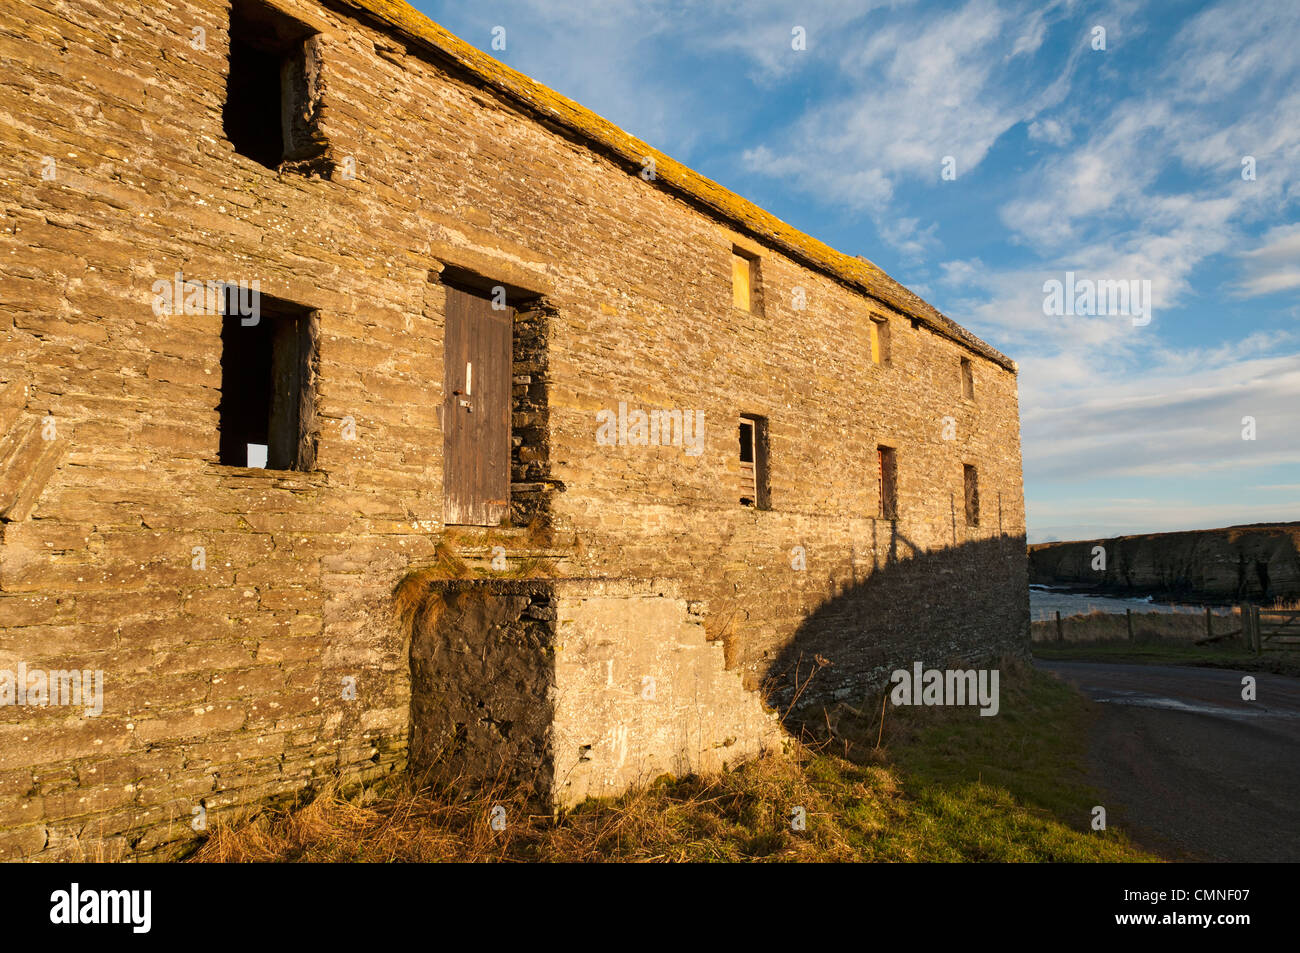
1188, 768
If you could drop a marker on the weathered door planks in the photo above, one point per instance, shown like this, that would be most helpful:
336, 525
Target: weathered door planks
476, 411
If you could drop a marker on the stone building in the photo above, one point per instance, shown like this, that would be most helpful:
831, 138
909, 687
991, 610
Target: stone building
308, 305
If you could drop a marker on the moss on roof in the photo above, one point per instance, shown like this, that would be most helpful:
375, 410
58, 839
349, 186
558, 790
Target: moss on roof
408, 23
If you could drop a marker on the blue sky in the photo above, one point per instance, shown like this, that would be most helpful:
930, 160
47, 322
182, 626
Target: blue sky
1124, 163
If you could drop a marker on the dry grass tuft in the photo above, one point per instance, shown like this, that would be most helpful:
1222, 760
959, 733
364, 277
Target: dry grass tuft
945, 784
1097, 626
740, 815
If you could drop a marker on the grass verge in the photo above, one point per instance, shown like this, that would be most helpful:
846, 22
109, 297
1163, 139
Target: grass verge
929, 784
1172, 653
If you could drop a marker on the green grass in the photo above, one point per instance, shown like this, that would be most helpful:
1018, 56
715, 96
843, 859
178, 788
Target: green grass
944, 785
1008, 787
1172, 653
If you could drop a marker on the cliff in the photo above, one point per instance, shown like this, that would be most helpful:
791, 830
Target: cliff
1260, 562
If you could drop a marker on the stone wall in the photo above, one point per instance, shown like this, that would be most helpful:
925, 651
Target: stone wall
231, 608
483, 684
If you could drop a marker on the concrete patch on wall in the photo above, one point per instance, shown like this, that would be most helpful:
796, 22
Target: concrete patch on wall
641, 692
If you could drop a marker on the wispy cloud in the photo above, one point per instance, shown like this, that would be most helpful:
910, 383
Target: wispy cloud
921, 89
1274, 265
1099, 518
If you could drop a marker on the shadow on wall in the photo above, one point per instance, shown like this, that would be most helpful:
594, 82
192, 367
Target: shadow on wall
960, 605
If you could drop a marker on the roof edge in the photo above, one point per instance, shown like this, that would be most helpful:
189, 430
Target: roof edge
858, 273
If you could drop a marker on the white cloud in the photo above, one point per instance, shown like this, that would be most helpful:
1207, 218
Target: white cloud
1095, 518
1171, 420
962, 272
920, 89
1052, 131
1150, 187
1274, 265
761, 31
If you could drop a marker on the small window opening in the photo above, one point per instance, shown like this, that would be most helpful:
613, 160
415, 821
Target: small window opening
754, 488
967, 380
273, 89
266, 413
744, 280
887, 463
972, 487
879, 341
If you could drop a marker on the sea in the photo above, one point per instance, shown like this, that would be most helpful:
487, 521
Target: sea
1046, 601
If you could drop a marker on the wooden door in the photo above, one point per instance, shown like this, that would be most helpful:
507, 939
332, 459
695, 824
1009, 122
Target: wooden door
476, 411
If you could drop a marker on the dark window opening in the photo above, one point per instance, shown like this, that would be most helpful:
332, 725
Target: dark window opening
268, 370
746, 441
972, 488
967, 380
272, 91
754, 486
888, 474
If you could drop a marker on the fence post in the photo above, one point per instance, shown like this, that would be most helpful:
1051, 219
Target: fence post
1128, 618
1209, 625
1060, 636
1244, 611
1259, 636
